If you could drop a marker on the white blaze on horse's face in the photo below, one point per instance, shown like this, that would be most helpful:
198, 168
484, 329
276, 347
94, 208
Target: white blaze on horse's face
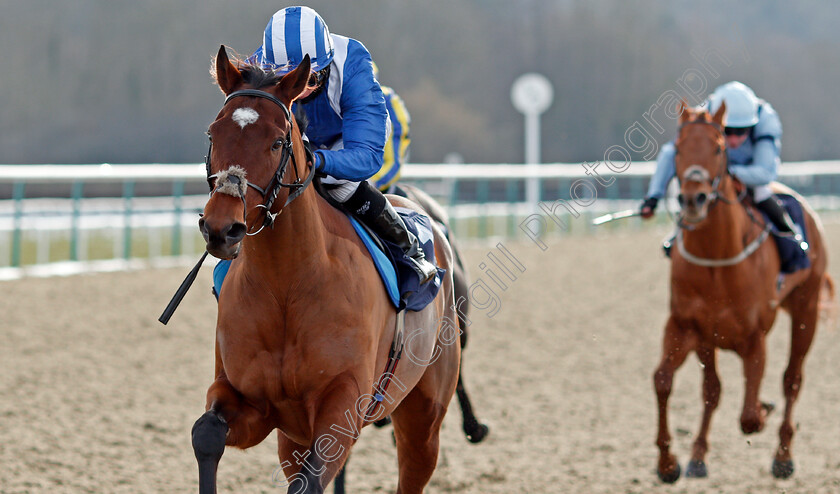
695, 192
245, 116
696, 173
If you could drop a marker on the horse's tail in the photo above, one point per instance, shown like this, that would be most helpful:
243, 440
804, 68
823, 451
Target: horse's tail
829, 310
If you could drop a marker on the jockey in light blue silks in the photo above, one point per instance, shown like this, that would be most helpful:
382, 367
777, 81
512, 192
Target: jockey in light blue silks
347, 118
753, 136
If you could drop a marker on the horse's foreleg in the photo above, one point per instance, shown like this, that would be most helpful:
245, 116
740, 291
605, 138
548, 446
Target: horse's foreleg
309, 469
675, 347
208, 440
340, 482
711, 398
753, 356
227, 421
804, 316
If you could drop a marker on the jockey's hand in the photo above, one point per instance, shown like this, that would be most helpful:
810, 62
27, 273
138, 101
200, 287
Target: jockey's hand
739, 186
648, 207
317, 161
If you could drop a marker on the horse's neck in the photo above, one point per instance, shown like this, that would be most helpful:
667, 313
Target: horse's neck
725, 230
299, 239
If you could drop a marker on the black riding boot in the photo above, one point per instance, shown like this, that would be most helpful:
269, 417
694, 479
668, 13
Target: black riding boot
373, 209
777, 213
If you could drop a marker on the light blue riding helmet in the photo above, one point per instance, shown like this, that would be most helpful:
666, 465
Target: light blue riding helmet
741, 104
292, 33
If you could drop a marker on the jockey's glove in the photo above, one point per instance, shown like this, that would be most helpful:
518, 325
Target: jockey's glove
648, 207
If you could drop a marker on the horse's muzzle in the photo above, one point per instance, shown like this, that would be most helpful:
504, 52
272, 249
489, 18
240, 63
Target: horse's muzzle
222, 242
693, 207
693, 201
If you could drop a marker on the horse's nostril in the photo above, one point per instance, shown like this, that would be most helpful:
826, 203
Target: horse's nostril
681, 200
701, 199
235, 233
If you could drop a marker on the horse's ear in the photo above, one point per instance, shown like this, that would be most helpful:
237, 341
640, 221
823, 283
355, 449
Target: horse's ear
684, 111
720, 114
228, 77
293, 84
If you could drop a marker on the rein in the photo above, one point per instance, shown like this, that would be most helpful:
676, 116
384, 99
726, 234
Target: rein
730, 261
271, 191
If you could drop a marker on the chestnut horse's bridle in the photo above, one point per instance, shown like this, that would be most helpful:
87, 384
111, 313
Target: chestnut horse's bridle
702, 176
713, 198
722, 169
270, 192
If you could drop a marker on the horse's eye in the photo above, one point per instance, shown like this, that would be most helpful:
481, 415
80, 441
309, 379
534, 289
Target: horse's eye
277, 145
209, 137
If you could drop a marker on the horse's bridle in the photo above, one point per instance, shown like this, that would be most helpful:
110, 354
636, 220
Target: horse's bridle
696, 173
270, 192
713, 198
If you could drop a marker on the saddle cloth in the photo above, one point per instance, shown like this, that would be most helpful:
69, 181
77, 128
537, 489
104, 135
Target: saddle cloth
792, 256
395, 269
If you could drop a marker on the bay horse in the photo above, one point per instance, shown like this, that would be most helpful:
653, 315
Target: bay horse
726, 291
305, 326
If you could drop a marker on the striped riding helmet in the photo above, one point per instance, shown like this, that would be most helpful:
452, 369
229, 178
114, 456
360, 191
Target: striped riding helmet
292, 33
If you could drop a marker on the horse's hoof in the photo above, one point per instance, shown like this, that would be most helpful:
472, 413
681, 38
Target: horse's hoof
477, 433
383, 422
670, 477
782, 469
696, 469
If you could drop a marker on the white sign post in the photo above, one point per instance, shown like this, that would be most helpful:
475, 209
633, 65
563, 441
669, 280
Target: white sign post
532, 94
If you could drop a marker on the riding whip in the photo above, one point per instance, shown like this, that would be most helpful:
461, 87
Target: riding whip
615, 216
182, 290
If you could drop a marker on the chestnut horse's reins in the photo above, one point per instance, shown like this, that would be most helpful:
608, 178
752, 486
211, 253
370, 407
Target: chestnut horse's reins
269, 193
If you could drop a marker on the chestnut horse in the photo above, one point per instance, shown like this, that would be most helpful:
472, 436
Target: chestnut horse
725, 293
305, 325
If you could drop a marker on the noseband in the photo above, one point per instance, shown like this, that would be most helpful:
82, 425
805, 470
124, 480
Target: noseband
269, 193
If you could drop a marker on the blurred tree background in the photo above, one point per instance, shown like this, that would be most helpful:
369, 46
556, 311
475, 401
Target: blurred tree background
126, 81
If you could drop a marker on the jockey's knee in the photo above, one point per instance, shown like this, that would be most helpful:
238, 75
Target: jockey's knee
339, 189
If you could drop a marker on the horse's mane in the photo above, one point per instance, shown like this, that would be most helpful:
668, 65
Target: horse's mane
254, 75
